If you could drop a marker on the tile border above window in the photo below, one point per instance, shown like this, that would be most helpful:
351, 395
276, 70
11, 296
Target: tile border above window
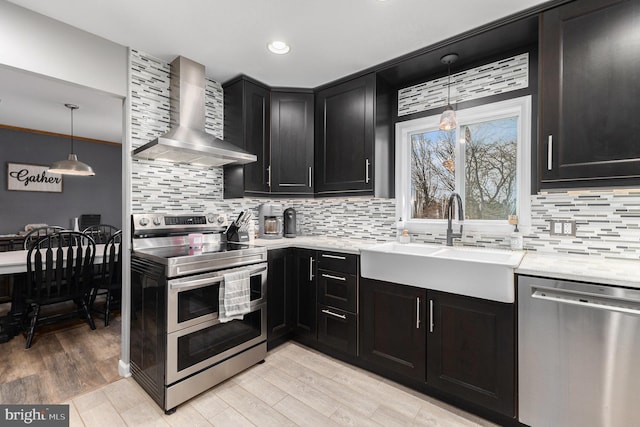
505, 75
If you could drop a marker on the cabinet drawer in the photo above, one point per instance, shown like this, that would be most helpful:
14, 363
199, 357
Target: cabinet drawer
335, 261
338, 329
337, 290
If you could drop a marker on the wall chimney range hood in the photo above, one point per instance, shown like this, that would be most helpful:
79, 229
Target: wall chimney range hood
187, 141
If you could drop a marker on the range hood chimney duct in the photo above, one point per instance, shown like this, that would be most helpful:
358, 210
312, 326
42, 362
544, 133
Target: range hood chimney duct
187, 141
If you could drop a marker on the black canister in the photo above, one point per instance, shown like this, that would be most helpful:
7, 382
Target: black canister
289, 222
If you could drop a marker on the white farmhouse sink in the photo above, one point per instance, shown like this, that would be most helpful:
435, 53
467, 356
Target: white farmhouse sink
476, 272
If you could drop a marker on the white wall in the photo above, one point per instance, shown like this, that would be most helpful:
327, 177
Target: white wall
36, 43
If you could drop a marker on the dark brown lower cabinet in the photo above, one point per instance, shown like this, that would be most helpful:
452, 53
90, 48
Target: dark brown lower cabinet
304, 324
471, 350
393, 327
338, 329
279, 296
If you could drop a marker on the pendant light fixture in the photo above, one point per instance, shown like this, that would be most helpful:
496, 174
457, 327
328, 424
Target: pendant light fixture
448, 119
71, 166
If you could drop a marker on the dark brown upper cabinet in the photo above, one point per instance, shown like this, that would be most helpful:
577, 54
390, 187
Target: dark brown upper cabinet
345, 137
590, 94
246, 124
291, 167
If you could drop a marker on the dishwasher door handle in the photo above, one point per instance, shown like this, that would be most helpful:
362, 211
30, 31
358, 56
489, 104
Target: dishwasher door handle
587, 301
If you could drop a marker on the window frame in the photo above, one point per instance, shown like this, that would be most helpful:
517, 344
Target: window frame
520, 107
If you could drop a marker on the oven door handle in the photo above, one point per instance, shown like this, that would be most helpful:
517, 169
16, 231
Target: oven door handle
195, 283
207, 281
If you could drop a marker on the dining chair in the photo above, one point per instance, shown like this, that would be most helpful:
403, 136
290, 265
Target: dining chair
34, 235
101, 233
59, 269
110, 282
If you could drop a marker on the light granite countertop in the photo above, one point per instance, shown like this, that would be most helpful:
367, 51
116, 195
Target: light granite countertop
592, 269
351, 246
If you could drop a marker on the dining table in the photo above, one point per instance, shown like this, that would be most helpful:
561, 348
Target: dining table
13, 262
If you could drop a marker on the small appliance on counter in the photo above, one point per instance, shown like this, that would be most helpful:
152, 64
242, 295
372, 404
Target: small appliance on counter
270, 221
289, 222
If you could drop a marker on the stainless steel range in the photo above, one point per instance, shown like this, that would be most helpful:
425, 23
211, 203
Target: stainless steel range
179, 346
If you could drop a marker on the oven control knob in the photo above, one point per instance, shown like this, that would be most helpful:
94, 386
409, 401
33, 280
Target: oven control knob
144, 221
221, 220
157, 221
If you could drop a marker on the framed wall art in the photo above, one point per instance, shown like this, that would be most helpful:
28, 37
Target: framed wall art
27, 177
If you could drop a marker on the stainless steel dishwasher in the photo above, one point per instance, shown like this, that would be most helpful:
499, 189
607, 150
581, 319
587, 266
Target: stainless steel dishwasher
579, 354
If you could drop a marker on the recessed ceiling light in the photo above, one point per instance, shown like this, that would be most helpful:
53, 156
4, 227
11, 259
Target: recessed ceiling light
279, 47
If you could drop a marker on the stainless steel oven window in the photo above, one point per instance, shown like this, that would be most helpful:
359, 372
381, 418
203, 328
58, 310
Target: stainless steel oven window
194, 299
201, 346
209, 342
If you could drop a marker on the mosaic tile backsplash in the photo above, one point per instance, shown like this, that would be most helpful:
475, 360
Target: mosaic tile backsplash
497, 77
608, 222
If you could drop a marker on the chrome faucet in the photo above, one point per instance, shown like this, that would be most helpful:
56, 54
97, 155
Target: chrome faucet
450, 233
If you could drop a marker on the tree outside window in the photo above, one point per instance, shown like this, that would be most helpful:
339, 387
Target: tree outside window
488, 152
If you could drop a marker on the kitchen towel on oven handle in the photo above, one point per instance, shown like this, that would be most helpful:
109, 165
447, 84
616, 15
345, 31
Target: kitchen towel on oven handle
234, 296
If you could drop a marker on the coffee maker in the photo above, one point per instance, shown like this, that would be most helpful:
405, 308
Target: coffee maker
289, 222
270, 221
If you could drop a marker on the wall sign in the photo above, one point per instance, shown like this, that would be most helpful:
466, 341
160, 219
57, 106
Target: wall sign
25, 177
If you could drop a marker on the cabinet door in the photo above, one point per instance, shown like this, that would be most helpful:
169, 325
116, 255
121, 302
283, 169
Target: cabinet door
590, 94
257, 122
279, 296
305, 298
292, 143
345, 137
471, 350
392, 327
246, 124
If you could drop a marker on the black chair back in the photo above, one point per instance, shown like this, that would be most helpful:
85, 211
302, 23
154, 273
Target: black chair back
109, 281
37, 233
101, 233
111, 263
60, 267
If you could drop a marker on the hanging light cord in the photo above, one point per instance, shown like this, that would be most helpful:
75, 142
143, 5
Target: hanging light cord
72, 152
448, 88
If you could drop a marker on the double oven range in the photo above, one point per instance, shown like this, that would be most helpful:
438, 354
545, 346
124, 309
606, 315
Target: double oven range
179, 347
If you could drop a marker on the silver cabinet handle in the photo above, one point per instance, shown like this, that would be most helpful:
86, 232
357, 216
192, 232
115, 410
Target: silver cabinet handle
329, 276
310, 176
334, 256
366, 171
430, 315
269, 176
418, 313
311, 268
550, 153
331, 313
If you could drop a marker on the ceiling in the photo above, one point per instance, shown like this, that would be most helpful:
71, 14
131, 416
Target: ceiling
31, 101
329, 39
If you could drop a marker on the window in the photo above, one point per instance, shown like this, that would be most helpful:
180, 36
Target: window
485, 159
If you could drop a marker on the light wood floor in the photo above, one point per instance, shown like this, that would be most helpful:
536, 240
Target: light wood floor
295, 386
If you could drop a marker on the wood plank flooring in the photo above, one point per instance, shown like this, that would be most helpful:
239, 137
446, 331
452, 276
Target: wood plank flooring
65, 360
296, 386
